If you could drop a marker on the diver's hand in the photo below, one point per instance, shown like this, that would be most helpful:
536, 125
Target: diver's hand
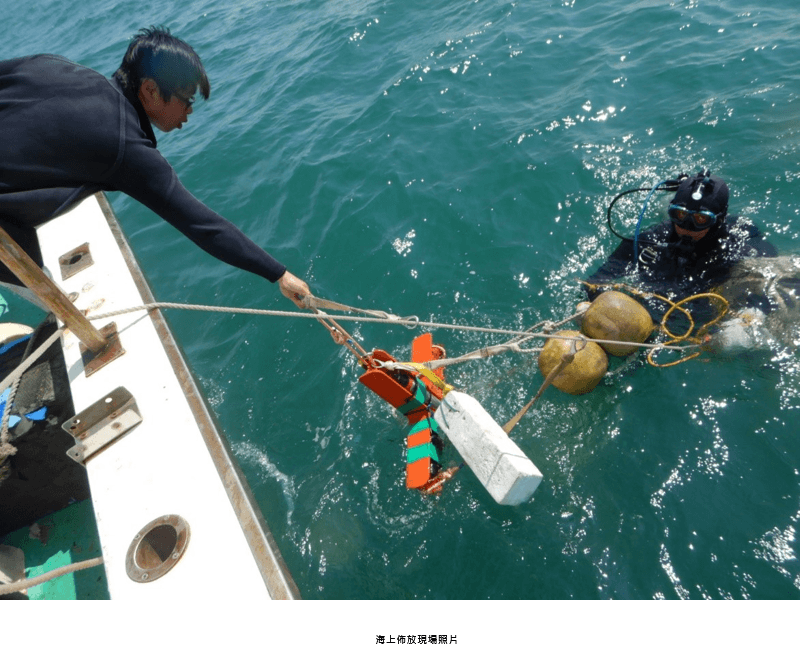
294, 288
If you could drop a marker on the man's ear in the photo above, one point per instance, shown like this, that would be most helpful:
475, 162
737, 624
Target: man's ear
149, 93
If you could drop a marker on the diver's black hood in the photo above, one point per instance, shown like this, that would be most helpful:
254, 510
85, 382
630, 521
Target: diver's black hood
704, 191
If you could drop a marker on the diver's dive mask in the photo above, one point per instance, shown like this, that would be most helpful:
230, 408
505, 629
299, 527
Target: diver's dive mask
692, 220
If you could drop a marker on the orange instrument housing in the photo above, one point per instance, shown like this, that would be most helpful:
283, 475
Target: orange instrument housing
417, 398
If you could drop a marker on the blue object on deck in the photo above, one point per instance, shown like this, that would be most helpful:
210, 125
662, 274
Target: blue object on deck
37, 415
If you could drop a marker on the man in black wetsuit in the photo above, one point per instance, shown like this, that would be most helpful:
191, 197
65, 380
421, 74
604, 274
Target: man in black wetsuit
693, 251
67, 132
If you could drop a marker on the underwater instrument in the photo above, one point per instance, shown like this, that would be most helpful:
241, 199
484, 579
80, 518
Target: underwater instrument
572, 361
764, 294
417, 398
742, 333
432, 407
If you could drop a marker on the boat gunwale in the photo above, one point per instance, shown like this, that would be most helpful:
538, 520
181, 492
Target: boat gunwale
268, 558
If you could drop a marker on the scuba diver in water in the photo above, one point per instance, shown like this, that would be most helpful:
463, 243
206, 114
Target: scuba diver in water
691, 252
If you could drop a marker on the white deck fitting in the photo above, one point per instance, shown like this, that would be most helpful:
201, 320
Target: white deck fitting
163, 466
500, 465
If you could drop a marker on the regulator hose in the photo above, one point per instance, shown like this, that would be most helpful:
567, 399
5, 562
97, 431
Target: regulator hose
666, 185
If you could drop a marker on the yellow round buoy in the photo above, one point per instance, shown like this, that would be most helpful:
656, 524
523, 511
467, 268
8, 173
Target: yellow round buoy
580, 310
583, 373
616, 316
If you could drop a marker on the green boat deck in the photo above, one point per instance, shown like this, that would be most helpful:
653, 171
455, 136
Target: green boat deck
67, 536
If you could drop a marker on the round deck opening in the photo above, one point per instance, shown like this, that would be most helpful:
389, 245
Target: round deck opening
157, 548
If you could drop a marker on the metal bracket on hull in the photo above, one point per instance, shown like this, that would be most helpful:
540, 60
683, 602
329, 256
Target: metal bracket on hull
102, 423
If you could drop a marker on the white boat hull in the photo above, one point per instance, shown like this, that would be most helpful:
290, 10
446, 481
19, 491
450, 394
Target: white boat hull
174, 462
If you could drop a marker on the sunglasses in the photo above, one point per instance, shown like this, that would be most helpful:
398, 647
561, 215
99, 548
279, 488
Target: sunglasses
188, 101
700, 219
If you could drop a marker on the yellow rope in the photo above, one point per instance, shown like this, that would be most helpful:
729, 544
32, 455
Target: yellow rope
696, 339
701, 332
423, 370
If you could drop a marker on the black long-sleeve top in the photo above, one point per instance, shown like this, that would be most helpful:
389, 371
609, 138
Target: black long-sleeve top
66, 132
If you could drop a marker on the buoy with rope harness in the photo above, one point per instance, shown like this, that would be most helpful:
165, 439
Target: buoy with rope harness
583, 373
616, 316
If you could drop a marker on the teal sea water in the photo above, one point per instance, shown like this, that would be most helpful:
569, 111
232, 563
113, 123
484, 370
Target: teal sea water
454, 160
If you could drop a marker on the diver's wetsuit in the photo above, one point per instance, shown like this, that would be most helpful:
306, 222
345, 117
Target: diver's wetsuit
669, 264
68, 132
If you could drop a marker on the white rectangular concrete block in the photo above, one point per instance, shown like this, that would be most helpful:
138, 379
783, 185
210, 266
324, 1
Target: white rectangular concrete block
500, 465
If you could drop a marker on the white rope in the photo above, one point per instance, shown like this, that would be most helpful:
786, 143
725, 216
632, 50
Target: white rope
484, 352
10, 588
30, 360
316, 302
6, 448
411, 322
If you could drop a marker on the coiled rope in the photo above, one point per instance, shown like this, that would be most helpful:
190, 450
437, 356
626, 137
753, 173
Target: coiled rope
696, 338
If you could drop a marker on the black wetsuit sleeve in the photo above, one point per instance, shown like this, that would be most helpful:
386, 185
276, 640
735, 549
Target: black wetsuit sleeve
617, 265
67, 131
758, 247
762, 246
146, 176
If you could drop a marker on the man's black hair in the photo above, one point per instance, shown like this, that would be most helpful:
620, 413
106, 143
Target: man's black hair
172, 63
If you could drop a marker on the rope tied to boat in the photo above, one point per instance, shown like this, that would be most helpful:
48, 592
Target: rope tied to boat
13, 381
318, 308
18, 586
411, 322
